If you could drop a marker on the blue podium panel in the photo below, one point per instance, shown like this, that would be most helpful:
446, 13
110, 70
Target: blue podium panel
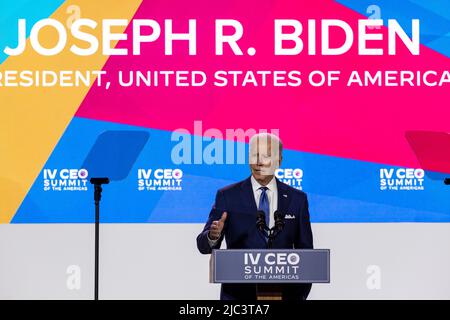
270, 266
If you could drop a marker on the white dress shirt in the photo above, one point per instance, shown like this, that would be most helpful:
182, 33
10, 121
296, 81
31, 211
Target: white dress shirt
272, 195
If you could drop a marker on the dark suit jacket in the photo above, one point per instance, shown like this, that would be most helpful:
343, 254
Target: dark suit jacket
240, 231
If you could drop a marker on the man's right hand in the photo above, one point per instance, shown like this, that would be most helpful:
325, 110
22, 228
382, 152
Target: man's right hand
216, 227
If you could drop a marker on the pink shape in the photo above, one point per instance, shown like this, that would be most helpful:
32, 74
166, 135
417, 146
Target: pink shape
351, 122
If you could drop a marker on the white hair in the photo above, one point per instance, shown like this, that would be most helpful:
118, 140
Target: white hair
274, 139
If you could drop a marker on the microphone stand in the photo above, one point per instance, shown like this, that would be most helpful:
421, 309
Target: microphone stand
269, 291
271, 236
97, 182
97, 197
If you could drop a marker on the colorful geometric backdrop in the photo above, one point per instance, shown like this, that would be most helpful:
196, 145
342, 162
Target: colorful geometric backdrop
340, 137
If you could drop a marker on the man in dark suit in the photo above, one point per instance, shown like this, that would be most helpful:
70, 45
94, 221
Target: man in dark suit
233, 216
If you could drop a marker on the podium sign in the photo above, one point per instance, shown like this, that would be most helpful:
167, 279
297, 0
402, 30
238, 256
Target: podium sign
270, 266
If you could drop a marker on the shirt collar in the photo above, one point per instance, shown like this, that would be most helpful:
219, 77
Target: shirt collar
272, 185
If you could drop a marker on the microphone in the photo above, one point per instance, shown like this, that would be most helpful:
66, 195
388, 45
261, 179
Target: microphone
279, 220
261, 220
447, 181
99, 181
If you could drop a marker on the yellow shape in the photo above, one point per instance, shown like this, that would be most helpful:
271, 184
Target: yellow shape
32, 120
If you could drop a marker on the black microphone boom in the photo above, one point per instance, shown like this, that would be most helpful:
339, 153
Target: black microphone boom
269, 233
261, 221
279, 221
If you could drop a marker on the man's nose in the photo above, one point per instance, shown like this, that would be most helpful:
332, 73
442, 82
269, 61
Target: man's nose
259, 161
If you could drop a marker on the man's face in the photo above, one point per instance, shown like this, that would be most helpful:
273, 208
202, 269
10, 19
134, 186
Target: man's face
264, 159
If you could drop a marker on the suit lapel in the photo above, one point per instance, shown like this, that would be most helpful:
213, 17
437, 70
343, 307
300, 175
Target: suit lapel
247, 194
284, 197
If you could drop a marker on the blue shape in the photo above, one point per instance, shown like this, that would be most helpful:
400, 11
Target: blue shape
439, 7
441, 44
31, 10
167, 209
114, 154
339, 190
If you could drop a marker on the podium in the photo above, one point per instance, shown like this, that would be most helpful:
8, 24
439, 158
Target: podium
268, 268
